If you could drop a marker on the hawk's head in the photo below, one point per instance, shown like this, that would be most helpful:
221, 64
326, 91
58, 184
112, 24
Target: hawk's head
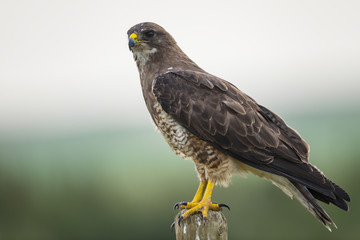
146, 39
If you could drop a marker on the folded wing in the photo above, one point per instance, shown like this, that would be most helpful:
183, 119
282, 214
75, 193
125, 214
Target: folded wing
217, 112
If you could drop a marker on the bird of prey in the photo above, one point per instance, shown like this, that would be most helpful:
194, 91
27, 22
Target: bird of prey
221, 129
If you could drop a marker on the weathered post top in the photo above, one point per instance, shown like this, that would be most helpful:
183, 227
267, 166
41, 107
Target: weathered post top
195, 228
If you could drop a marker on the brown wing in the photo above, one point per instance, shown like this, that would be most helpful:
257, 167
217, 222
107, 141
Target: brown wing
217, 112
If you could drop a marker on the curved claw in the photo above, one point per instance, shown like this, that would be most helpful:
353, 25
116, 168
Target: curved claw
180, 219
177, 205
224, 205
172, 227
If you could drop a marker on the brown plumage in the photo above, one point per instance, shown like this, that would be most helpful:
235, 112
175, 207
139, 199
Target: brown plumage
224, 131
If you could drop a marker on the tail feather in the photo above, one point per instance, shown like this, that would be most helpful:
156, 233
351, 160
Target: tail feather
307, 192
339, 202
307, 199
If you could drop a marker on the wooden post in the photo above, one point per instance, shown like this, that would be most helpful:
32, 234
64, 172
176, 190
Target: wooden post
195, 228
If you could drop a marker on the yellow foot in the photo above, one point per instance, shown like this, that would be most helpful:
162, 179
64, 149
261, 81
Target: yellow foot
189, 205
201, 202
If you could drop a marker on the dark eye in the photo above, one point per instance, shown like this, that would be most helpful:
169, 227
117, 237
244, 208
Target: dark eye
149, 33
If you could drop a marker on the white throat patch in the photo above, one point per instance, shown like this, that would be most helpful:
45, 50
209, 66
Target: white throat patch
143, 56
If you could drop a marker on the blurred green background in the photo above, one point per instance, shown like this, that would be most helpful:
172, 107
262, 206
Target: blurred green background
122, 184
79, 158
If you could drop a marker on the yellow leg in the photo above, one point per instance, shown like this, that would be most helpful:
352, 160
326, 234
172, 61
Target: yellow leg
200, 192
205, 204
197, 198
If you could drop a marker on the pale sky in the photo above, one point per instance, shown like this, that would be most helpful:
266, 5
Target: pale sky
65, 65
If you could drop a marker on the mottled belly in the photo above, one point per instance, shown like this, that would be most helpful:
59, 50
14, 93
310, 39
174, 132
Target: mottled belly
210, 162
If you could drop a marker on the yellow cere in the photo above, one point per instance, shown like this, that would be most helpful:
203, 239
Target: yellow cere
135, 38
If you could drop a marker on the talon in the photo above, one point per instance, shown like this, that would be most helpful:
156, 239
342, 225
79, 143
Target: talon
180, 218
179, 204
224, 205
172, 227
201, 202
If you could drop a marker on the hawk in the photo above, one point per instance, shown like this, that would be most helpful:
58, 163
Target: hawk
222, 130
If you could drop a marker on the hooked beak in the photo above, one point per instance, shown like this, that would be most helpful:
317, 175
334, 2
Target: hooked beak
133, 41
